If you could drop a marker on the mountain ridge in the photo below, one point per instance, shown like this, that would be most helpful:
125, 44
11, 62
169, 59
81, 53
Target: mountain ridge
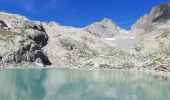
103, 44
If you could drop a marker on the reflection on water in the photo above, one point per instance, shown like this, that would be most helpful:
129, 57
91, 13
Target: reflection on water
60, 84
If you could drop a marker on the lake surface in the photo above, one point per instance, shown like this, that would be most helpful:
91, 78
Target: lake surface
62, 84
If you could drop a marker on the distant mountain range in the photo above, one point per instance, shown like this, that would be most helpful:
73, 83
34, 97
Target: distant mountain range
26, 43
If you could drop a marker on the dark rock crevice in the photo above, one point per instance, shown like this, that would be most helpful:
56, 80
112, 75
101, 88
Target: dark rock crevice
164, 10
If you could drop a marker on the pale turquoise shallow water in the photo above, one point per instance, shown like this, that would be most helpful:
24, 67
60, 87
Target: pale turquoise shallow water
62, 84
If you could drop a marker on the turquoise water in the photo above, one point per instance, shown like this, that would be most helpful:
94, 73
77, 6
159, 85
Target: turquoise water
62, 84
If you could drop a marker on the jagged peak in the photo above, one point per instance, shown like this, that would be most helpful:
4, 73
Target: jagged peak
162, 12
159, 15
53, 23
105, 28
107, 20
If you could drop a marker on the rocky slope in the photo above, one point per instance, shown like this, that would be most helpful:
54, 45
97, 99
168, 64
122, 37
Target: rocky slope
72, 47
102, 44
155, 44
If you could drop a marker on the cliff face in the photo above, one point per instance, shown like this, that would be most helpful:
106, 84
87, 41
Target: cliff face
100, 45
21, 40
159, 15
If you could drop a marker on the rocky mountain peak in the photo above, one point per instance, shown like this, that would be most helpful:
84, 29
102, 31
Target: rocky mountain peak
108, 21
159, 15
105, 28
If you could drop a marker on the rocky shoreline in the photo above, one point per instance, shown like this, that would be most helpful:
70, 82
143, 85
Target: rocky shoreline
162, 75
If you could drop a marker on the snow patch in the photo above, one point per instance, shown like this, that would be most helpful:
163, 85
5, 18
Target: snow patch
110, 39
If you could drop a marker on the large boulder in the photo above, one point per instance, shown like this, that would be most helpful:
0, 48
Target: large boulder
34, 25
36, 32
39, 37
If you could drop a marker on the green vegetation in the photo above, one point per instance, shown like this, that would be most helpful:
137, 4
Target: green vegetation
66, 44
68, 56
24, 40
8, 33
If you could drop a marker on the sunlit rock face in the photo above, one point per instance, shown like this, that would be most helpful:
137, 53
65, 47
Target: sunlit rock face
160, 15
21, 40
105, 29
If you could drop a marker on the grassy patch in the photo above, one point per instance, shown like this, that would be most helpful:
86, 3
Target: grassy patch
9, 33
66, 44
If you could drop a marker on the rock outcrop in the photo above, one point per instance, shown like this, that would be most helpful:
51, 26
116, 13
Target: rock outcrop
28, 52
22, 39
3, 24
35, 32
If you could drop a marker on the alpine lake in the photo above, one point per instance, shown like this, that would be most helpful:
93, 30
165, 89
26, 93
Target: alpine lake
65, 84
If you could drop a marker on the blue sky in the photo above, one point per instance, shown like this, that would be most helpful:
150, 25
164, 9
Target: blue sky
80, 13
